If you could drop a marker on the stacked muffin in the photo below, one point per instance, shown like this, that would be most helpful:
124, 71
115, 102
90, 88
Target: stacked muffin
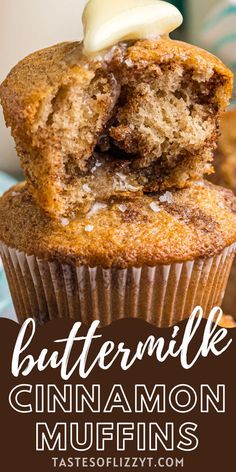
114, 219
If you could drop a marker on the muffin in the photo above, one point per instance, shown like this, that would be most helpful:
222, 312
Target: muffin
151, 107
114, 219
154, 257
225, 174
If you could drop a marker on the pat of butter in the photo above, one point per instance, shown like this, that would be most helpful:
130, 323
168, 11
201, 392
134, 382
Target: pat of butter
107, 22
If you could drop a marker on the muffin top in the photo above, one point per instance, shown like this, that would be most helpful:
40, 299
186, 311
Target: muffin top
177, 226
39, 74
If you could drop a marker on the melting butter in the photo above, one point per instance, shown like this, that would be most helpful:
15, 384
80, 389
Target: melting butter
107, 22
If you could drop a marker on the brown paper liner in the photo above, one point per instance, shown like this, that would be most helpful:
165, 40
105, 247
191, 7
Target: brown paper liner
162, 295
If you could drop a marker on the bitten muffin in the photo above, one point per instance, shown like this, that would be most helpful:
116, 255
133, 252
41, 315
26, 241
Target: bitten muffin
152, 107
154, 257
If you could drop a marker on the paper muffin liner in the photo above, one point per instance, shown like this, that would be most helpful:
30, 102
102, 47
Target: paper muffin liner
162, 295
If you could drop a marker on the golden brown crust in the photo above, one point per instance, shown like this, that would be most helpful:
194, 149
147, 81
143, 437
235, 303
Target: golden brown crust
40, 73
30, 97
32, 80
192, 223
194, 57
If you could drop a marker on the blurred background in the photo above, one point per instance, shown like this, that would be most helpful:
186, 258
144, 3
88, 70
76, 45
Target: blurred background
28, 25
